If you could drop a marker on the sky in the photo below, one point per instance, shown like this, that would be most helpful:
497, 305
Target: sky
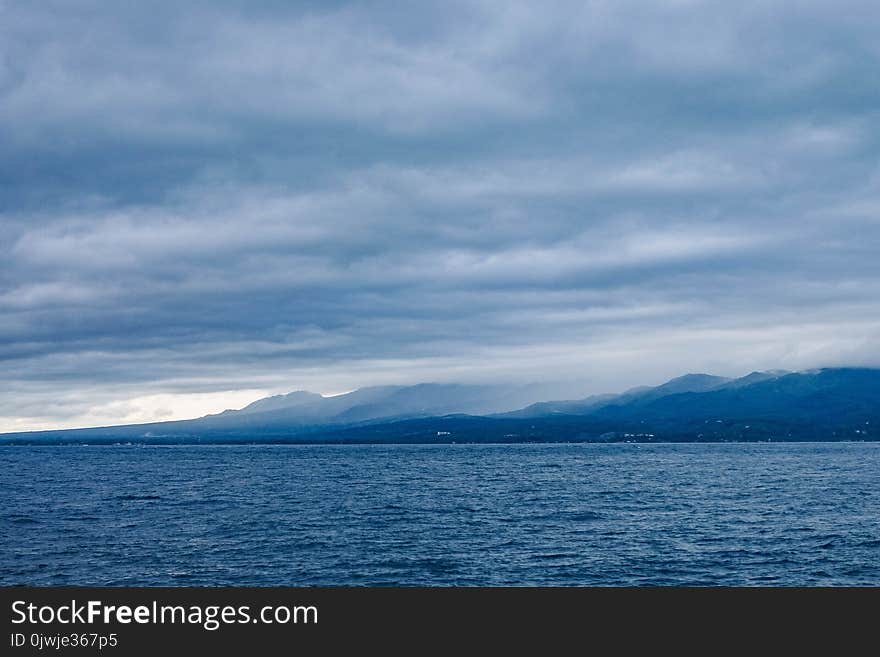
203, 203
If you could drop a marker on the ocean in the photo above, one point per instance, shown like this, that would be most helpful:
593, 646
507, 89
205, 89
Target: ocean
442, 515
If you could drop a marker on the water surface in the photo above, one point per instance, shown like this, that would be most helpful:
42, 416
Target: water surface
730, 514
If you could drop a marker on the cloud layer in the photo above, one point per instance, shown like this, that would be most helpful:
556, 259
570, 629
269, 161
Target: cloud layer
201, 205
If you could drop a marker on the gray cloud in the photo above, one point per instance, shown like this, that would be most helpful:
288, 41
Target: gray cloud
264, 196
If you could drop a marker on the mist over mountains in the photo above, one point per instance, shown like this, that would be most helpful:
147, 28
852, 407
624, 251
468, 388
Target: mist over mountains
827, 404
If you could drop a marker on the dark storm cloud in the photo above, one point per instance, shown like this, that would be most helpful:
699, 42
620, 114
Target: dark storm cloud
264, 196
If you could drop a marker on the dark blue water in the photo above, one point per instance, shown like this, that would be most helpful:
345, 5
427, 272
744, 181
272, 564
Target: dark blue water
793, 514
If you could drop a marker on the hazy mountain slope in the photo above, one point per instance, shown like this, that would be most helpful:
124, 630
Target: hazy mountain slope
299, 399
568, 407
301, 411
686, 383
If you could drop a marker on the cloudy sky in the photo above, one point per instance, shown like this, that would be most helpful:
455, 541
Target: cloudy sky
205, 202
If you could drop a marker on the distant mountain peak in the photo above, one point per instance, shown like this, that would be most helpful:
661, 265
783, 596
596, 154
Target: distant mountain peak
755, 377
696, 378
291, 399
696, 382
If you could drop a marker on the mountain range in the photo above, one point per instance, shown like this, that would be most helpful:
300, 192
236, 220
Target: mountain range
825, 404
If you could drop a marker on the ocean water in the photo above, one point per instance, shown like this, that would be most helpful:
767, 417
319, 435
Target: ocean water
623, 514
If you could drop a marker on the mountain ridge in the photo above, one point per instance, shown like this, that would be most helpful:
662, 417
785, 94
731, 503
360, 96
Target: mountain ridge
832, 403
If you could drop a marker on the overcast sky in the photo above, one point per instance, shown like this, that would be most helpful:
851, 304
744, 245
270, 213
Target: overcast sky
205, 202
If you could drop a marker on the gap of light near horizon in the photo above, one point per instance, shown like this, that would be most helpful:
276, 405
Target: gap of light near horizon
202, 205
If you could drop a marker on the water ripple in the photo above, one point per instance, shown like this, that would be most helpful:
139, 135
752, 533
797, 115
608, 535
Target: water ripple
704, 515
